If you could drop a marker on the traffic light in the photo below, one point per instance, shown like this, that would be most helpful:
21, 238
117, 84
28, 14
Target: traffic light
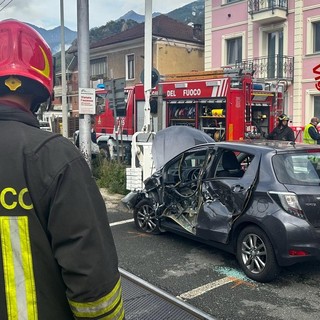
153, 106
155, 77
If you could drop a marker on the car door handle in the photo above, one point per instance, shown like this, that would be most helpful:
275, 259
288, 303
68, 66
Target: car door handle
237, 188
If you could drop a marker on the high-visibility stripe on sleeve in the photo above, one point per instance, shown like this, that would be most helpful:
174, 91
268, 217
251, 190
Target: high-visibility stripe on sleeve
109, 307
18, 268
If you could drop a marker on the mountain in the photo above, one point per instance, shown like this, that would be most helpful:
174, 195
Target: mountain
53, 37
131, 15
192, 13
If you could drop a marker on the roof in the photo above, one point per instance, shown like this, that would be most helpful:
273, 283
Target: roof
162, 26
275, 145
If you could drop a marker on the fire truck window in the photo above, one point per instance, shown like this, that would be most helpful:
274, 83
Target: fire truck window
100, 104
121, 112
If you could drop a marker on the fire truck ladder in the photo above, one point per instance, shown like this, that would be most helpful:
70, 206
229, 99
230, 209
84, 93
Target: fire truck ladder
143, 301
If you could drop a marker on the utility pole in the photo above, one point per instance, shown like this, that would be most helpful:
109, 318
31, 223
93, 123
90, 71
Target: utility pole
147, 63
63, 77
160, 106
84, 74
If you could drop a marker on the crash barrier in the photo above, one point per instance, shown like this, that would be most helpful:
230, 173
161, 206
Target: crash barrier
298, 133
143, 301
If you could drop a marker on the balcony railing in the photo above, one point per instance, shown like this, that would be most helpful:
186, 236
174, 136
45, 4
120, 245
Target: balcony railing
255, 6
268, 11
277, 67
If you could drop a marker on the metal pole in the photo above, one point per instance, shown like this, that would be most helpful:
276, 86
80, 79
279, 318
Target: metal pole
64, 103
147, 63
160, 106
84, 74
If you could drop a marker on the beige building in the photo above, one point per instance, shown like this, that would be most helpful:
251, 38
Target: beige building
177, 48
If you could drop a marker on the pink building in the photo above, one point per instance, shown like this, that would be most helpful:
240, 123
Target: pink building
279, 39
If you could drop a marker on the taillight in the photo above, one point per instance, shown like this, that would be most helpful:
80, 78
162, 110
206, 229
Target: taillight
293, 252
289, 202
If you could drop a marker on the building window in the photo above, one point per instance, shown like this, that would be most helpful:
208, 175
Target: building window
313, 35
234, 50
316, 106
316, 36
130, 67
98, 67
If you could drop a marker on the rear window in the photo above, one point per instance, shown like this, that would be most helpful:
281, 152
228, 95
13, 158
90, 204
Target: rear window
299, 168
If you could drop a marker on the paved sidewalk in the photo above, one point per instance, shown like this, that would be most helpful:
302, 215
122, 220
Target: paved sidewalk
112, 200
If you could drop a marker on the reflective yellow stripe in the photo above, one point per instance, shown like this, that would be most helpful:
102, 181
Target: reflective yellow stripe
117, 314
101, 306
18, 269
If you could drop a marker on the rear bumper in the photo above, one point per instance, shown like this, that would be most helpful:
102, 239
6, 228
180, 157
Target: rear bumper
289, 233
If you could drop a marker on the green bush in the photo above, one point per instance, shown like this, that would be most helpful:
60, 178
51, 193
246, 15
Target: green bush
110, 175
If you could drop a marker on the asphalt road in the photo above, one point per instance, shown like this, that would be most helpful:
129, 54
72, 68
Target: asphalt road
210, 279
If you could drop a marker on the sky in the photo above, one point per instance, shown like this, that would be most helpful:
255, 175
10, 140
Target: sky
46, 13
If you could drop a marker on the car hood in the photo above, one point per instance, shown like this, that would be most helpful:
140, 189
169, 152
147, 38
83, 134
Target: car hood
171, 141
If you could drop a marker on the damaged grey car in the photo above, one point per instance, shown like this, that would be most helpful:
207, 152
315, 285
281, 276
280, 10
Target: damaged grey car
259, 200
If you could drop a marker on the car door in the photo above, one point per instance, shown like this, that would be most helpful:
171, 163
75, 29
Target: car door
181, 187
225, 197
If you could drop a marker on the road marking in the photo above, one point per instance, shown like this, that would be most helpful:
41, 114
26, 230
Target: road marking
120, 222
205, 288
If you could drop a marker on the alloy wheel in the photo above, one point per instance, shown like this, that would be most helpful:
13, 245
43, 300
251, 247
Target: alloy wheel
254, 253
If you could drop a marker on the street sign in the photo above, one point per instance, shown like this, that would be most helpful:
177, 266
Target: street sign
87, 101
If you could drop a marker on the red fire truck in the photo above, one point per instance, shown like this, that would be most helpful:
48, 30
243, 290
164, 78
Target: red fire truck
226, 104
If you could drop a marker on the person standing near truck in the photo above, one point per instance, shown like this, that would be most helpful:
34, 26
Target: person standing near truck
57, 254
310, 133
282, 131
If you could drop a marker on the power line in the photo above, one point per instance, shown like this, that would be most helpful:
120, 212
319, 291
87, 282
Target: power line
5, 5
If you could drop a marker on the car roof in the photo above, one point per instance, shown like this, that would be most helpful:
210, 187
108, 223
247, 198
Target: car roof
268, 145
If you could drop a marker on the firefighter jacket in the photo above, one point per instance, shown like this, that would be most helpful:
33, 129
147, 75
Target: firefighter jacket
281, 133
57, 255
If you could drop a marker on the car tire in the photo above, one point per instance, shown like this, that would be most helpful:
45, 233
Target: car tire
145, 217
256, 256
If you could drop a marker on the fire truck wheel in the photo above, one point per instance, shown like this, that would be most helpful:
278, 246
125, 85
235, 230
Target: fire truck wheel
145, 217
104, 151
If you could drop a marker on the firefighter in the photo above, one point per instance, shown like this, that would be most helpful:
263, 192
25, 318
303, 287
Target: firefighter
310, 133
57, 254
282, 131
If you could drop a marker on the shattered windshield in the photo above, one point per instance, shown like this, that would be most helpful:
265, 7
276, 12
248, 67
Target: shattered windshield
298, 168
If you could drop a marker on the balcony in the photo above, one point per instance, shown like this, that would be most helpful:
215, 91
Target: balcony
270, 68
268, 11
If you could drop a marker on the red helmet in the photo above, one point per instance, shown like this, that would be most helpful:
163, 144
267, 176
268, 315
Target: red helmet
25, 62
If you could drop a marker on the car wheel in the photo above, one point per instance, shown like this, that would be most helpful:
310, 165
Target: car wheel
145, 217
256, 255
